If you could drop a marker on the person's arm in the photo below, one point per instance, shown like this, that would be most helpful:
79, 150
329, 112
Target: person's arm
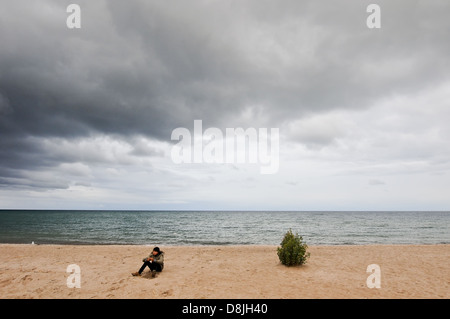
148, 258
159, 259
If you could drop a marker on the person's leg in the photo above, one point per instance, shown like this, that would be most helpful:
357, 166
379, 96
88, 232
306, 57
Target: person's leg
154, 266
147, 263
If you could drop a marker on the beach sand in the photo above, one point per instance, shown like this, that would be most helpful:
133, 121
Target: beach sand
224, 272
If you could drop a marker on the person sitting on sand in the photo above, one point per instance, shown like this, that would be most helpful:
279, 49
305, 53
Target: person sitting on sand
155, 261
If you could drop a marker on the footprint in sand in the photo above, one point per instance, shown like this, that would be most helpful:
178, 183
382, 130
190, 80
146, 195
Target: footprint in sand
167, 293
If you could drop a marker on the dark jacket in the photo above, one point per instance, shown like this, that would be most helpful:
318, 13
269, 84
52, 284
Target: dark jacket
159, 259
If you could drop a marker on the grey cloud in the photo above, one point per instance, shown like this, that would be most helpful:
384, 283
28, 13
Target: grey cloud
5, 107
376, 182
155, 67
22, 179
143, 68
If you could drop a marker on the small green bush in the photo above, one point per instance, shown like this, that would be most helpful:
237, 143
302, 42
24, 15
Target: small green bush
292, 251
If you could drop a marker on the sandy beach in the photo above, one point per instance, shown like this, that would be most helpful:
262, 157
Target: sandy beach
224, 272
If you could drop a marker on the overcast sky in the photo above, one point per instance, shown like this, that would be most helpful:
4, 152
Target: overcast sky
86, 115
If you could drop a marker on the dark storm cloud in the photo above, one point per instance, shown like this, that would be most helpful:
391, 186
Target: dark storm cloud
147, 67
141, 67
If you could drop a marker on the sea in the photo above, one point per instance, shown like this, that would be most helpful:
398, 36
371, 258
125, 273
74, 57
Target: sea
75, 227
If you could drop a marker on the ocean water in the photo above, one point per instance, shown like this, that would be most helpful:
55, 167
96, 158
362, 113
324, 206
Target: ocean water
222, 228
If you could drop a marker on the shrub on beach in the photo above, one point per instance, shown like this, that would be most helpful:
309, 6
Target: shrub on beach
293, 250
